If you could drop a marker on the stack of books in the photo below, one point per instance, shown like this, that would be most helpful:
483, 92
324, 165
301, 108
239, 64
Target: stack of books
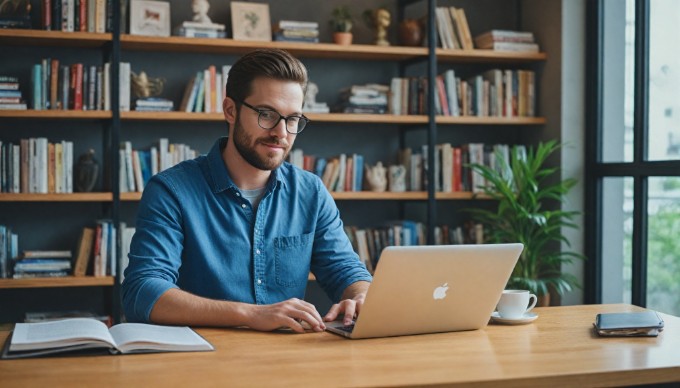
9, 248
34, 264
10, 94
506, 40
201, 30
369, 98
154, 104
296, 31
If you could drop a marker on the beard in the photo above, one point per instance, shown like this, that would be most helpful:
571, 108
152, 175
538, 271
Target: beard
245, 145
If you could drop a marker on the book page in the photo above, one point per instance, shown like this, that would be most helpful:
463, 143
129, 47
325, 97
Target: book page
132, 337
55, 334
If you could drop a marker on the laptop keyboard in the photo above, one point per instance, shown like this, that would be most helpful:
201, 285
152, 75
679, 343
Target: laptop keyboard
346, 328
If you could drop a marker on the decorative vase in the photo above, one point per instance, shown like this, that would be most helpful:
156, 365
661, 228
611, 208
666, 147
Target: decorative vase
410, 32
342, 38
86, 172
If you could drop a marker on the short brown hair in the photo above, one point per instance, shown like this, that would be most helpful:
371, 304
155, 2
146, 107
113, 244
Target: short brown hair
269, 63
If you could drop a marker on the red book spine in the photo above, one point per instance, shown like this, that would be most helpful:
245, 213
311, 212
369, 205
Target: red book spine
457, 170
76, 87
83, 15
46, 14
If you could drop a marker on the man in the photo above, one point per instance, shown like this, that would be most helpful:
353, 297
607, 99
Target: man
228, 239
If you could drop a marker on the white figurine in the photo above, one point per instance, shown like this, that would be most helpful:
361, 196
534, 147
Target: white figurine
200, 9
397, 178
376, 177
310, 96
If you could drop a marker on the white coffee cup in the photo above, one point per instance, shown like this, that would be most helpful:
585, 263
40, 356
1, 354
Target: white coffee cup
513, 303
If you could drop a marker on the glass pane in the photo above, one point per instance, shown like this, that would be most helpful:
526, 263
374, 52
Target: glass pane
617, 233
664, 81
663, 245
618, 63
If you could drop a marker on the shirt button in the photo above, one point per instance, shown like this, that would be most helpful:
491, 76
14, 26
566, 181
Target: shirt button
257, 251
259, 281
243, 205
238, 194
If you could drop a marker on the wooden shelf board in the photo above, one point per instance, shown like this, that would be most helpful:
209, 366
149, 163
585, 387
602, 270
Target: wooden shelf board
19, 37
473, 120
56, 114
74, 197
345, 118
130, 196
171, 116
67, 281
309, 50
487, 56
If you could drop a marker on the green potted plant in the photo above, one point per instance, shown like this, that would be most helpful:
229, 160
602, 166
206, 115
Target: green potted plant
341, 23
522, 190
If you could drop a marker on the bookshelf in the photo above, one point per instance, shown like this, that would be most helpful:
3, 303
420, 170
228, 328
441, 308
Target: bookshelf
120, 125
31, 45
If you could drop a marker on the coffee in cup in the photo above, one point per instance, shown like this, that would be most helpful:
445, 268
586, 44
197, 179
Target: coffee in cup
513, 304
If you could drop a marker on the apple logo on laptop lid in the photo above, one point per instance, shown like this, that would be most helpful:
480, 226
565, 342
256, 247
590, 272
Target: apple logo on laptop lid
440, 291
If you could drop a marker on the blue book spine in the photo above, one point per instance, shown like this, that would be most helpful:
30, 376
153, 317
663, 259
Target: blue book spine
36, 76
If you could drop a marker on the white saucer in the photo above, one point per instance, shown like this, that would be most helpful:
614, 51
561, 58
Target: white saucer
526, 318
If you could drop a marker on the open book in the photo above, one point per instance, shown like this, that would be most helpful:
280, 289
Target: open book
87, 334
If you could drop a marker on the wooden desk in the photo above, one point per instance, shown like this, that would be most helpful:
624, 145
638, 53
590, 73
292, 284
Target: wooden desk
558, 349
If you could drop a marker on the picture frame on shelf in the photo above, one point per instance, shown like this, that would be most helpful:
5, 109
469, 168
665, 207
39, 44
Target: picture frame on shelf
250, 21
150, 18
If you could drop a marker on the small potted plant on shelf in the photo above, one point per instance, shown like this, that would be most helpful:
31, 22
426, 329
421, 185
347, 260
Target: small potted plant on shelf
341, 22
522, 190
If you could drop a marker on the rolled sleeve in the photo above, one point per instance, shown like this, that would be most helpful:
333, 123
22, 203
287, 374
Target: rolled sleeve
334, 262
155, 252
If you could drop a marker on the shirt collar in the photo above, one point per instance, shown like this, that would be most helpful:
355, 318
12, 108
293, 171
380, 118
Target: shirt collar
221, 180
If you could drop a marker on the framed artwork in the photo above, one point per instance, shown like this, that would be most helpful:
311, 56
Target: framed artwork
150, 18
250, 21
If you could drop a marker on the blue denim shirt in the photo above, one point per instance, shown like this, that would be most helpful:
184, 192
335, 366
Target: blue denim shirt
196, 232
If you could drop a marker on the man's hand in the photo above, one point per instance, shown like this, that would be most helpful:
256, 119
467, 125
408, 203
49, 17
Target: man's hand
293, 313
350, 305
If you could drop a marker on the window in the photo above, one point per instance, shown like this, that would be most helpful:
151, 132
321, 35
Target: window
633, 157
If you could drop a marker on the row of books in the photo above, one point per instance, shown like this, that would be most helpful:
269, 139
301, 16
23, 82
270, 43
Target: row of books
452, 171
76, 86
10, 93
339, 174
36, 166
507, 40
9, 248
453, 28
138, 166
205, 91
368, 243
494, 93
296, 31
77, 15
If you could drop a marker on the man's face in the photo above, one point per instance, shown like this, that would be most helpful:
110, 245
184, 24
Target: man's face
267, 149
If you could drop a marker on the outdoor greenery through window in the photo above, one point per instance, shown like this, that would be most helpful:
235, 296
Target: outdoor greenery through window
618, 142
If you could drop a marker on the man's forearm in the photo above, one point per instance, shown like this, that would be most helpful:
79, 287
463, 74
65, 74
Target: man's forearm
177, 307
354, 289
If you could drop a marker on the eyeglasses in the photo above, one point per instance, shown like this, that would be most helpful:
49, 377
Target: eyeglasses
268, 119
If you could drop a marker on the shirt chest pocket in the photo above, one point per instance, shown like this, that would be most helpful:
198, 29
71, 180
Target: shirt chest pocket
292, 256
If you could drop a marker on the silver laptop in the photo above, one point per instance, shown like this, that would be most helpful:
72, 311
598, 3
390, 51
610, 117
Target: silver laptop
431, 289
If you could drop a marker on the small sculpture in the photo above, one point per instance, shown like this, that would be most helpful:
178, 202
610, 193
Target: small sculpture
376, 177
397, 178
200, 9
86, 172
379, 19
310, 96
144, 87
411, 32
